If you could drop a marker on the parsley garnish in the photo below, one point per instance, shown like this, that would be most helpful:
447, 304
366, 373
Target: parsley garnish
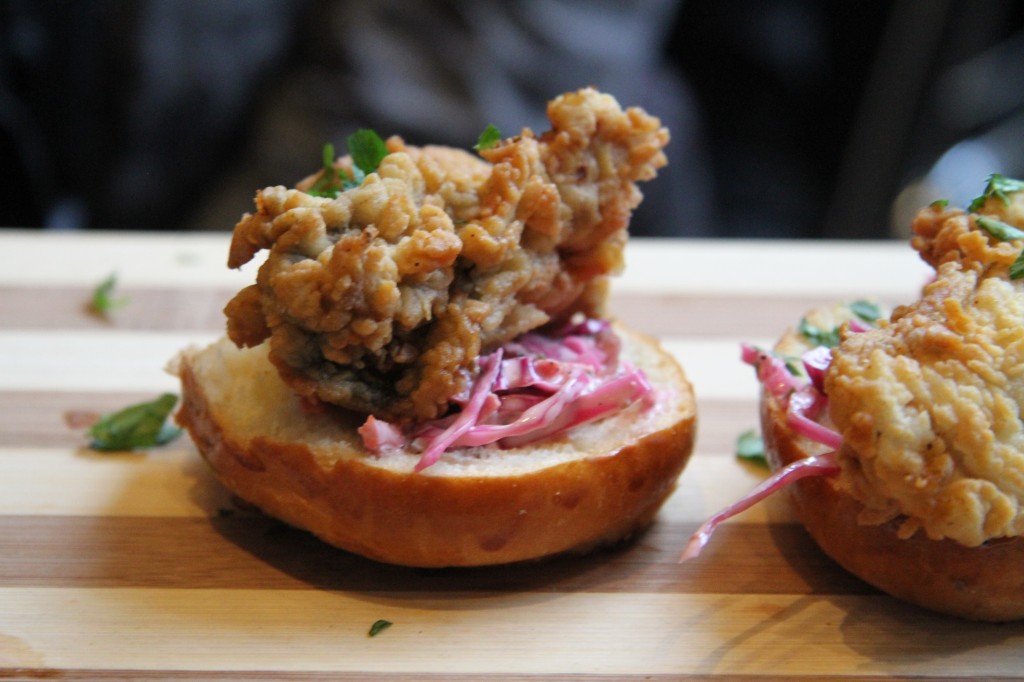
866, 310
939, 204
490, 137
137, 426
327, 184
998, 186
820, 337
367, 150
750, 447
378, 627
1004, 232
103, 301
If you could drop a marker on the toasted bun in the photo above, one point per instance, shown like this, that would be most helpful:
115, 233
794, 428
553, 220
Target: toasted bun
595, 485
979, 583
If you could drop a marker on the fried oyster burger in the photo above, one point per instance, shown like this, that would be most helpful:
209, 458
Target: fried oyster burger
380, 300
423, 371
904, 437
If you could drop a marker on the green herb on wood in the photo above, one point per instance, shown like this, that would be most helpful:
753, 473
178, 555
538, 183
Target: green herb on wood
750, 447
379, 627
137, 426
103, 301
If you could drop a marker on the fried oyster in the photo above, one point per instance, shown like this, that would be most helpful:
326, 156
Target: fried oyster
931, 402
381, 300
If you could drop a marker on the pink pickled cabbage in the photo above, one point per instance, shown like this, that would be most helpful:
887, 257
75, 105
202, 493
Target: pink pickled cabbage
805, 399
806, 403
531, 388
820, 465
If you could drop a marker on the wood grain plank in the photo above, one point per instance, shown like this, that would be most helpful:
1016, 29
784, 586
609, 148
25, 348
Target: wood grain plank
698, 316
60, 308
317, 675
40, 419
690, 266
751, 317
249, 551
84, 259
461, 633
92, 360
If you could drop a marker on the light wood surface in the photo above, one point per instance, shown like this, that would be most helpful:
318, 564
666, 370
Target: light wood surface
139, 566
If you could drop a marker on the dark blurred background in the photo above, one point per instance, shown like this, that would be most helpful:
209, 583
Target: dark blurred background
790, 118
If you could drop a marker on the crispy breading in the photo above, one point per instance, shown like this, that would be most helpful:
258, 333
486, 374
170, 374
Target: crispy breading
381, 299
929, 405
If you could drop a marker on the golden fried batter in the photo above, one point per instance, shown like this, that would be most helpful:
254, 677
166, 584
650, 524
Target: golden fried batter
929, 405
382, 299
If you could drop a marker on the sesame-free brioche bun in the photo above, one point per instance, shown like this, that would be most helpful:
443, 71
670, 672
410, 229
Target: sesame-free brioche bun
593, 485
979, 583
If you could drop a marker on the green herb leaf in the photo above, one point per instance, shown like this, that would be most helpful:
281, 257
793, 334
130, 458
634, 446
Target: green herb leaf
137, 426
939, 204
866, 310
378, 627
103, 301
329, 183
998, 229
750, 447
327, 158
490, 137
367, 150
1017, 268
821, 337
997, 186
793, 365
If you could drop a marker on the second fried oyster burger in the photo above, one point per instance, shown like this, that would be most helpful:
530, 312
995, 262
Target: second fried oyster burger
423, 372
903, 436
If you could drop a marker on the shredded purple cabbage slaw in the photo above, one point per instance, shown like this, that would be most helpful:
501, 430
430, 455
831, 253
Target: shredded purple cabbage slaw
534, 387
806, 405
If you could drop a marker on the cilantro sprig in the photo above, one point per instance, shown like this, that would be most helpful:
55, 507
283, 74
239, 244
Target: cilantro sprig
490, 137
750, 448
998, 186
818, 336
103, 301
1004, 232
1001, 187
367, 150
136, 426
867, 311
378, 627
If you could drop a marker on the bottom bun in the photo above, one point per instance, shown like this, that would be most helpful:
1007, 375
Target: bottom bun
594, 485
979, 583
